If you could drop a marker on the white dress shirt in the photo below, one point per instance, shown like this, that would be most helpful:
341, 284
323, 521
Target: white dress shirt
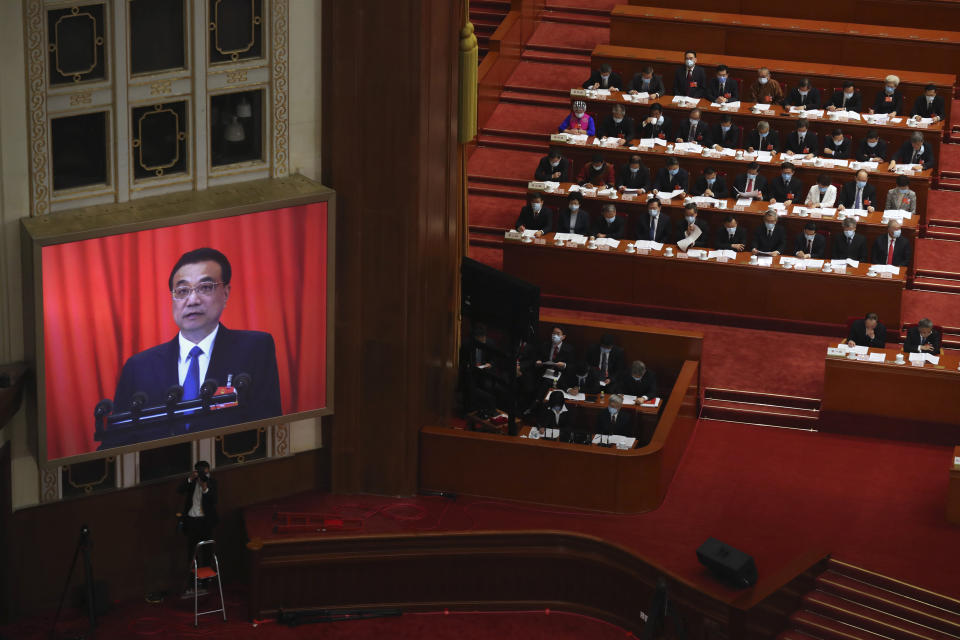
196, 509
829, 197
203, 360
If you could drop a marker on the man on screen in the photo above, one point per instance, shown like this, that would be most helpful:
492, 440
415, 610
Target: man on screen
204, 349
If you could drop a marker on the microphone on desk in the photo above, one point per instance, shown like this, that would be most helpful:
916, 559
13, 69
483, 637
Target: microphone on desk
137, 401
242, 383
171, 397
207, 391
100, 412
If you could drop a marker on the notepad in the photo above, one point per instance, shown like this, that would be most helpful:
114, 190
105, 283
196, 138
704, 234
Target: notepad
877, 356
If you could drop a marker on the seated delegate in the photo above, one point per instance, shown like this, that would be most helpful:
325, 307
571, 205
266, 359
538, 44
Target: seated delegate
603, 78
578, 121
810, 244
535, 216
618, 125
867, 332
902, 196
822, 194
922, 339
694, 231
770, 237
849, 244
553, 166
710, 185
891, 248
732, 236
653, 224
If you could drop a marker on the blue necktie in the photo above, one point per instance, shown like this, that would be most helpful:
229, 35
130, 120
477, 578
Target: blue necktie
191, 384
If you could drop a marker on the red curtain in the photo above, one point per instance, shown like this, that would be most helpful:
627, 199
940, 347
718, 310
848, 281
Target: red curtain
106, 299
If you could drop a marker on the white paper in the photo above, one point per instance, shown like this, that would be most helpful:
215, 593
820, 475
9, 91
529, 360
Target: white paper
608, 192
609, 142
878, 356
723, 253
788, 260
917, 357
610, 242
857, 349
550, 375
811, 263
640, 96
764, 156
897, 214
649, 244
552, 433
704, 201
663, 195
778, 206
843, 264
576, 397
856, 213
885, 268
765, 261
576, 238
695, 253
932, 359
578, 138
530, 233
685, 102
629, 400
727, 151
687, 147
744, 202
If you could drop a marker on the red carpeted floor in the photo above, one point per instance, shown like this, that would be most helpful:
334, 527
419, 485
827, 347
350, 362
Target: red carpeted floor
944, 205
942, 308
541, 75
569, 36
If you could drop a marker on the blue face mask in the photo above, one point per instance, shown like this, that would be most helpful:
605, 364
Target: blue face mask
823, 189
612, 410
634, 169
770, 225
673, 172
889, 90
724, 128
903, 191
787, 176
710, 181
654, 212
849, 233
605, 349
731, 230
690, 219
896, 233
861, 184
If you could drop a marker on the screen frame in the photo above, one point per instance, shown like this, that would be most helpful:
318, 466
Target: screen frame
146, 214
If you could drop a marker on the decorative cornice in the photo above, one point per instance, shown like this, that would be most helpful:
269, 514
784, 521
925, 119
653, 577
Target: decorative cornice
280, 26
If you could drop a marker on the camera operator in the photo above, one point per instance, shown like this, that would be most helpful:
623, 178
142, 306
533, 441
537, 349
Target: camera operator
199, 507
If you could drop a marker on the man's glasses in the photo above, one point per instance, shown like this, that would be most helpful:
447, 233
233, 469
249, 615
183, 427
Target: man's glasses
204, 289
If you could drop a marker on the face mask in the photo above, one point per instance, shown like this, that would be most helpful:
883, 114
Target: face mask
574, 207
612, 410
823, 189
645, 80
903, 191
731, 230
579, 114
787, 176
848, 94
710, 181
724, 128
673, 172
804, 93
861, 184
872, 144
930, 99
634, 170
722, 79
751, 176
689, 219
694, 123
618, 120
597, 167
555, 164
763, 80
838, 142
888, 89
896, 233
659, 119
801, 133
770, 225
557, 407
557, 339
635, 378
536, 207
849, 233
690, 64
605, 349
609, 219
807, 237
654, 212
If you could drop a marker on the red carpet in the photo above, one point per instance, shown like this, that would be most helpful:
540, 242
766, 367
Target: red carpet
592, 4
494, 211
942, 308
950, 157
569, 36
548, 76
938, 255
525, 118
503, 163
943, 205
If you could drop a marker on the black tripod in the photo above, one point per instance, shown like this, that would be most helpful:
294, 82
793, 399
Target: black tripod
661, 610
83, 544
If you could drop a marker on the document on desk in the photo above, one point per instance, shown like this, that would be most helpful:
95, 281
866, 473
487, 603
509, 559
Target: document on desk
869, 166
924, 357
779, 207
530, 233
549, 374
609, 192
629, 400
578, 397
813, 263
857, 349
643, 95
856, 213
576, 238
687, 147
578, 138
790, 260
649, 245
610, 242
723, 253
765, 261
695, 253
764, 156
885, 268
876, 356
728, 152
669, 195
552, 433
744, 202
843, 264
897, 214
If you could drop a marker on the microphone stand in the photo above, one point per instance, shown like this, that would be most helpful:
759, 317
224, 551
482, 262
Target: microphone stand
83, 544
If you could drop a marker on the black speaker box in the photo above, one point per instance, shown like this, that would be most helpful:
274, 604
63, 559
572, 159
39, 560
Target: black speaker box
732, 566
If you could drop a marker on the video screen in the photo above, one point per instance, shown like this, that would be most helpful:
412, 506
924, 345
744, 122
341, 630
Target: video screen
183, 329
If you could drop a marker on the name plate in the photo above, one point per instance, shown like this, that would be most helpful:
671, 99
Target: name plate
535, 185
559, 137
578, 93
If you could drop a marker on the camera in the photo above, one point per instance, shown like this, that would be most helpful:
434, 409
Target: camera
202, 468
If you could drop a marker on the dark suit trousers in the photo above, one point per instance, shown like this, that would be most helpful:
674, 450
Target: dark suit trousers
197, 530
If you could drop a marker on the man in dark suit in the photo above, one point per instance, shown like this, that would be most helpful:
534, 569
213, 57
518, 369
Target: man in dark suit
849, 244
656, 125
802, 141
479, 375
693, 231
610, 225
603, 78
598, 172
640, 382
554, 167
204, 350
671, 177
633, 175
868, 332
750, 184
803, 95
872, 148
617, 125
770, 237
558, 355
922, 339
689, 79
647, 82
763, 139
573, 219
889, 100
710, 185
847, 99
929, 105
535, 216
653, 224
891, 248
608, 357
616, 421
694, 129
725, 134
858, 194
914, 151
787, 186
723, 88
581, 378
199, 514
809, 243
731, 237
836, 146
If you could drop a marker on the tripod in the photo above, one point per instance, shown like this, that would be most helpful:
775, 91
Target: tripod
83, 544
661, 610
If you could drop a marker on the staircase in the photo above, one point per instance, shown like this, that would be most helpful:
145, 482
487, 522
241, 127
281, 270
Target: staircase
851, 603
761, 409
486, 16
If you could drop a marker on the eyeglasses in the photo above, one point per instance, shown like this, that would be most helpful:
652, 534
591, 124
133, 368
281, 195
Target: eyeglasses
204, 289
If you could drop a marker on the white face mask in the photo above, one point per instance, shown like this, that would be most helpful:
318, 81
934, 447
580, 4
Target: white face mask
751, 176
694, 123
731, 230
930, 99
654, 212
896, 233
574, 207
690, 64
609, 218
807, 237
848, 94
536, 207
690, 219
710, 181
597, 167
770, 225
838, 142
849, 233
871, 144
579, 114
803, 92
763, 80
618, 120
605, 78
634, 169
557, 339
555, 163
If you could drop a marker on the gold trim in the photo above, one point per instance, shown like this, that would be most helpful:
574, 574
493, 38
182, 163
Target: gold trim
280, 83
241, 457
37, 65
83, 97
88, 486
49, 483
161, 87
158, 169
254, 23
54, 46
281, 440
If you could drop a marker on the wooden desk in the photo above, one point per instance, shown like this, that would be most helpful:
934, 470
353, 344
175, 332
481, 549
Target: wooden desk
788, 39
923, 14
654, 159
780, 120
734, 288
953, 489
587, 412
750, 217
869, 80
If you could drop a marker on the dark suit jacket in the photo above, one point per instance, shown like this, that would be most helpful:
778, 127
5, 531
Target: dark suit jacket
771, 143
567, 423
913, 341
542, 221
702, 241
887, 104
664, 130
730, 90
782, 192
638, 180
723, 241
663, 232
921, 109
819, 245
614, 230
581, 226
682, 87
853, 104
905, 155
665, 182
614, 81
775, 242
545, 171
609, 128
811, 143
901, 251
810, 101
208, 501
655, 86
590, 384
840, 152
848, 193
623, 426
701, 134
234, 352
616, 364
740, 184
858, 333
730, 139
646, 386
864, 153
719, 187
855, 248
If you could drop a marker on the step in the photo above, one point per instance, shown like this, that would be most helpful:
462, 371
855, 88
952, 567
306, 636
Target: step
828, 629
560, 49
544, 91
534, 99
746, 413
889, 601
555, 58
943, 285
943, 222
758, 397
506, 191
512, 142
481, 179
571, 8
886, 582
864, 617
478, 241
944, 232
576, 17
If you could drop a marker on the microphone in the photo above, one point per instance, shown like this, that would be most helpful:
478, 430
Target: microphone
103, 408
137, 402
242, 382
173, 395
207, 389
